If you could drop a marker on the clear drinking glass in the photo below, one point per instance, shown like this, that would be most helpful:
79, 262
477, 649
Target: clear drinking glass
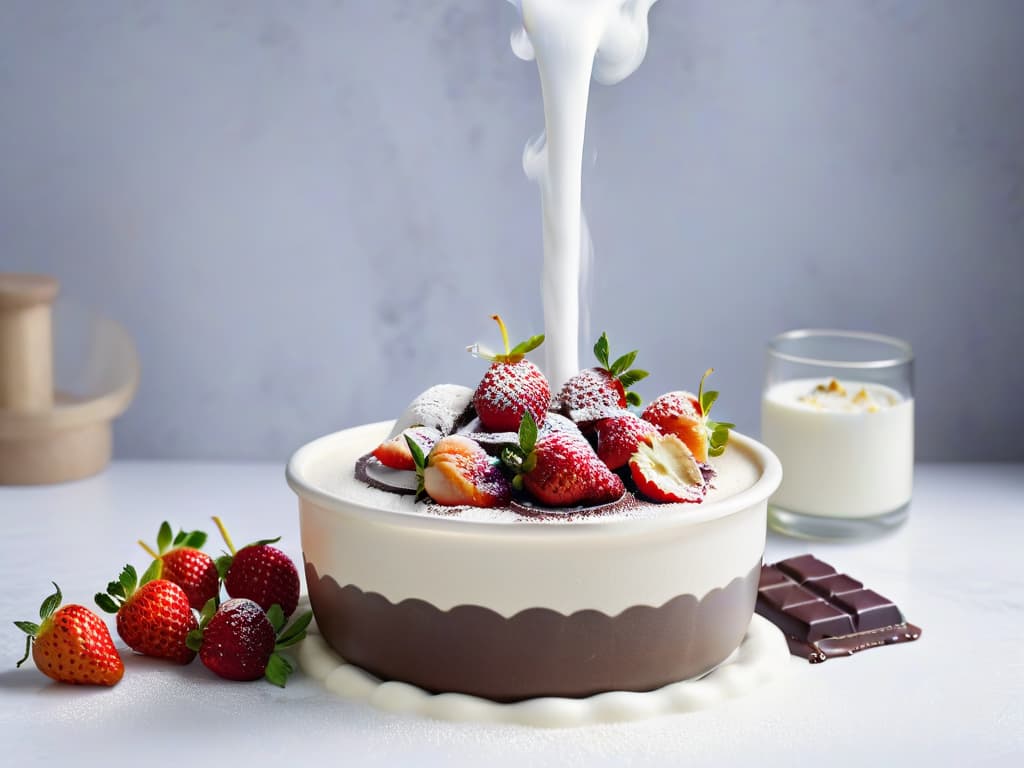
838, 411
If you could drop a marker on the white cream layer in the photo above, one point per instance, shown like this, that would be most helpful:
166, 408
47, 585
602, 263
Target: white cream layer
378, 542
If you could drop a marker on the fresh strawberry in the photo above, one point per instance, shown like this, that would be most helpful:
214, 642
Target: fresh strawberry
179, 559
512, 385
259, 572
560, 470
685, 415
71, 644
153, 616
597, 393
619, 437
459, 471
664, 469
395, 453
240, 641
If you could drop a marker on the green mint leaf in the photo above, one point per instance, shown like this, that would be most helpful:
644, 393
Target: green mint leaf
622, 364
527, 433
164, 537
27, 627
629, 378
276, 616
529, 345
601, 350
153, 571
278, 670
51, 603
223, 564
634, 399
418, 459
106, 602
128, 579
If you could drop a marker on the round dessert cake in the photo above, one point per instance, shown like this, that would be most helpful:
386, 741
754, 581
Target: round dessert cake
497, 603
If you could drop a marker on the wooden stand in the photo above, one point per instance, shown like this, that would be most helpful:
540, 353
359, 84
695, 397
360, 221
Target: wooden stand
45, 437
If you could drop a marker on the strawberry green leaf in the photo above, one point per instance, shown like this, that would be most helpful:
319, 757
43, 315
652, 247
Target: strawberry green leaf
520, 349
622, 364
707, 400
278, 669
295, 632
601, 350
418, 459
106, 602
50, 604
164, 537
719, 438
517, 482
276, 616
264, 542
531, 463
193, 540
629, 378
115, 589
512, 457
223, 564
128, 579
152, 572
179, 537
527, 433
209, 609
634, 399
194, 640
27, 627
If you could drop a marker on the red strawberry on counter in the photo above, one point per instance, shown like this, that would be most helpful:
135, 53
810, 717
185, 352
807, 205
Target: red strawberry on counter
459, 471
240, 641
395, 453
618, 438
153, 617
665, 470
685, 415
71, 644
179, 559
259, 572
597, 393
512, 385
560, 470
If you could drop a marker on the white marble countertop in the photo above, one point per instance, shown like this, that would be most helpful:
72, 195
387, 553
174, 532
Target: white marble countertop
955, 697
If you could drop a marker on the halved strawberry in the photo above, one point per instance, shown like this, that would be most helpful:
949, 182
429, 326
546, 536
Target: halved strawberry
512, 385
685, 415
559, 469
664, 469
619, 437
597, 393
395, 453
459, 472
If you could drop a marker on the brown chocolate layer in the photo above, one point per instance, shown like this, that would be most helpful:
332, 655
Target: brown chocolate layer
537, 652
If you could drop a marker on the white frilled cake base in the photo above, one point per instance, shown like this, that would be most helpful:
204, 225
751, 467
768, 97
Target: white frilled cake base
761, 658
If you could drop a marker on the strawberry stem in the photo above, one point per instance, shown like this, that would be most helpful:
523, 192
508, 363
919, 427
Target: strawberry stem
504, 332
149, 550
224, 534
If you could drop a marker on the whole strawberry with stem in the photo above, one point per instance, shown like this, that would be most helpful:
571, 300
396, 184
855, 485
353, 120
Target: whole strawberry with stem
153, 615
240, 641
512, 385
259, 572
179, 558
685, 415
71, 644
559, 469
601, 392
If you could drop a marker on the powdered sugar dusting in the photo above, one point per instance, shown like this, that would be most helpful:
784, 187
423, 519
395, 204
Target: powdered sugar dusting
443, 407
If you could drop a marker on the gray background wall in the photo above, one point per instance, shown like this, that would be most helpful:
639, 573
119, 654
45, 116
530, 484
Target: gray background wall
303, 211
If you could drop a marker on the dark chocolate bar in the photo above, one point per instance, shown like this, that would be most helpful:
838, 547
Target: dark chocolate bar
825, 614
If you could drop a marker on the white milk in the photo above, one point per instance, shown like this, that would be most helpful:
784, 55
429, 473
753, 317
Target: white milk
841, 457
570, 39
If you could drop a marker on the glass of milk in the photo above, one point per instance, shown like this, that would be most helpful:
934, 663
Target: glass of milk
838, 411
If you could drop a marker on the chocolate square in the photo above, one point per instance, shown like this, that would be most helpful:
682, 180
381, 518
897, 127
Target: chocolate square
772, 577
869, 609
830, 587
819, 619
805, 568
